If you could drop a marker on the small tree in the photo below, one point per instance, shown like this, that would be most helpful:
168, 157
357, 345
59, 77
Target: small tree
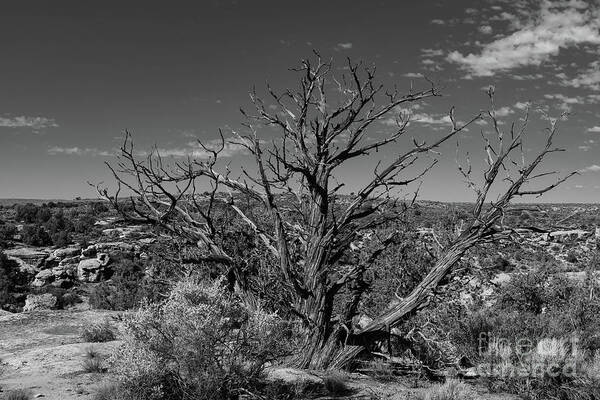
309, 226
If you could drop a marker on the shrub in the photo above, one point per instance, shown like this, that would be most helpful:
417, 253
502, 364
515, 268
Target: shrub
35, 235
452, 389
11, 280
200, 343
127, 288
17, 394
108, 391
93, 362
100, 332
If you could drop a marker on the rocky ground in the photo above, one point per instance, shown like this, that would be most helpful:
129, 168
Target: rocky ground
43, 352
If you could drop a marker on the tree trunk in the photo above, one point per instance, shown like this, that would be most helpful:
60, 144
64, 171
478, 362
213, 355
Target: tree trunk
419, 296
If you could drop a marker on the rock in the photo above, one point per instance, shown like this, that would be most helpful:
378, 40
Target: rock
92, 269
23, 266
67, 252
32, 256
35, 302
89, 251
69, 261
42, 278
103, 258
63, 283
147, 241
65, 271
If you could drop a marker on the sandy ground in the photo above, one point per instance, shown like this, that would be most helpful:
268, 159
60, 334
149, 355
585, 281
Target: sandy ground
43, 352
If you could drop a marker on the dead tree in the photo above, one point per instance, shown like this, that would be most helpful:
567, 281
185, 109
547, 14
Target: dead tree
323, 125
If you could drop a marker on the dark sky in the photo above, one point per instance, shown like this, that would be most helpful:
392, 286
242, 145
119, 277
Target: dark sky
74, 75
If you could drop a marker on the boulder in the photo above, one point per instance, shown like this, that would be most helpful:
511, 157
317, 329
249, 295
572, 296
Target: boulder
42, 278
67, 252
89, 251
92, 269
65, 271
36, 302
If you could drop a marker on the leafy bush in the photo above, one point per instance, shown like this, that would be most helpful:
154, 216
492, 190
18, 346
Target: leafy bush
200, 343
99, 332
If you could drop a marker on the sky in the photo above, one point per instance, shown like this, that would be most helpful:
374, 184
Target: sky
74, 75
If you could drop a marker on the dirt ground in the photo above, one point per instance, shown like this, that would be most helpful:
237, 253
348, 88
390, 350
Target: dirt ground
43, 352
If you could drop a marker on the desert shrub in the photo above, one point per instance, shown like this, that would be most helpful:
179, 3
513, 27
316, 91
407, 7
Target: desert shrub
64, 297
11, 280
200, 343
99, 332
93, 361
17, 394
26, 213
572, 257
108, 391
35, 235
452, 389
7, 231
127, 288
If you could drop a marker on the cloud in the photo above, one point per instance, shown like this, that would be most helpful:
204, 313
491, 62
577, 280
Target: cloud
438, 22
592, 168
78, 151
413, 75
27, 122
504, 111
343, 46
588, 79
195, 150
595, 129
535, 42
485, 29
421, 118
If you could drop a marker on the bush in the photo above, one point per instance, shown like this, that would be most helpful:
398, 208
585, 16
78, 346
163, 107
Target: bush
11, 280
100, 332
93, 362
451, 390
109, 391
127, 288
200, 343
35, 235
18, 394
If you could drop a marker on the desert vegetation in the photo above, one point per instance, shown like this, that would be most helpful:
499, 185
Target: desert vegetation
221, 280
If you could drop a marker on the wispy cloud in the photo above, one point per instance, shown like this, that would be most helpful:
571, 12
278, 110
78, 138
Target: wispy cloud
592, 168
594, 129
195, 150
343, 46
79, 151
27, 122
552, 29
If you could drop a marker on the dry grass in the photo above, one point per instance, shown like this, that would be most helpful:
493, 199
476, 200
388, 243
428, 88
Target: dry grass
17, 394
100, 332
451, 390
